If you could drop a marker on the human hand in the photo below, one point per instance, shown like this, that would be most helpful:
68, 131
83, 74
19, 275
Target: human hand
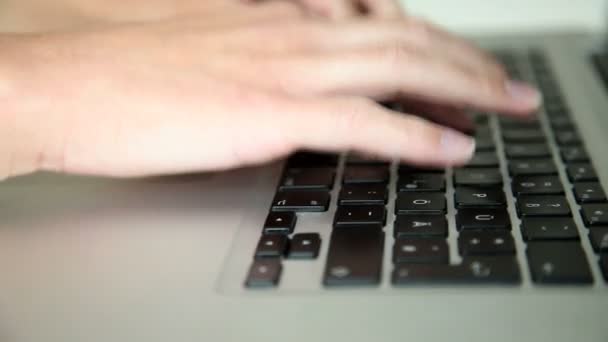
340, 9
180, 95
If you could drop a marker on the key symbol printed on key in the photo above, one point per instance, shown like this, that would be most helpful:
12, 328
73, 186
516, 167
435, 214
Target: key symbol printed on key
548, 268
555, 205
283, 202
279, 219
421, 201
314, 202
528, 184
421, 224
480, 195
484, 217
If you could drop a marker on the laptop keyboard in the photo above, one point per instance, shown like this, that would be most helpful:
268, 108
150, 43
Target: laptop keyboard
536, 169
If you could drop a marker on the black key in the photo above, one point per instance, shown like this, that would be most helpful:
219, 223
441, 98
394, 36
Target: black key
264, 273
271, 246
589, 193
280, 223
595, 214
304, 246
308, 179
363, 194
598, 236
569, 137
484, 144
558, 262
357, 159
360, 215
516, 124
421, 251
420, 203
522, 135
365, 174
477, 176
581, 172
312, 159
406, 170
483, 159
604, 265
572, 154
548, 228
518, 151
300, 201
482, 219
561, 123
420, 226
486, 243
354, 257
543, 206
474, 270
421, 182
532, 167
479, 197
537, 185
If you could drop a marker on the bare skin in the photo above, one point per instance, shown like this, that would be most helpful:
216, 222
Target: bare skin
232, 84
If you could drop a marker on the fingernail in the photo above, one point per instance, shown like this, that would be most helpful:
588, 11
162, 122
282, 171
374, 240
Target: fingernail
523, 93
457, 146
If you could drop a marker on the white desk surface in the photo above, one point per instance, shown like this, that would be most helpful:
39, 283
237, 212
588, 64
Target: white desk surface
489, 16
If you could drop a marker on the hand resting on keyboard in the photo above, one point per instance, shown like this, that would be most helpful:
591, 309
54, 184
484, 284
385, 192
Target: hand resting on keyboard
217, 90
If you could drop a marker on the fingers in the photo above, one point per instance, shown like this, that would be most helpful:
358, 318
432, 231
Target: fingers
449, 116
339, 124
383, 8
385, 71
334, 9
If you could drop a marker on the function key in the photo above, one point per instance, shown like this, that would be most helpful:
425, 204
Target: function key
280, 223
301, 201
363, 194
589, 193
486, 243
595, 214
598, 236
560, 123
360, 215
421, 251
312, 159
421, 182
543, 206
354, 257
548, 228
271, 246
415, 226
572, 154
558, 262
517, 151
480, 176
483, 159
308, 179
537, 185
482, 219
304, 246
365, 174
479, 197
532, 167
264, 273
420, 203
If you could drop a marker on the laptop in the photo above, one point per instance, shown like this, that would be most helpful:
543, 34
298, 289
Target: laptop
321, 247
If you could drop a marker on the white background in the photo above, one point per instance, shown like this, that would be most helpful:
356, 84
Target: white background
483, 16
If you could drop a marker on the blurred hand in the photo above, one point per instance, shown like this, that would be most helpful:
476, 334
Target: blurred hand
192, 93
340, 9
